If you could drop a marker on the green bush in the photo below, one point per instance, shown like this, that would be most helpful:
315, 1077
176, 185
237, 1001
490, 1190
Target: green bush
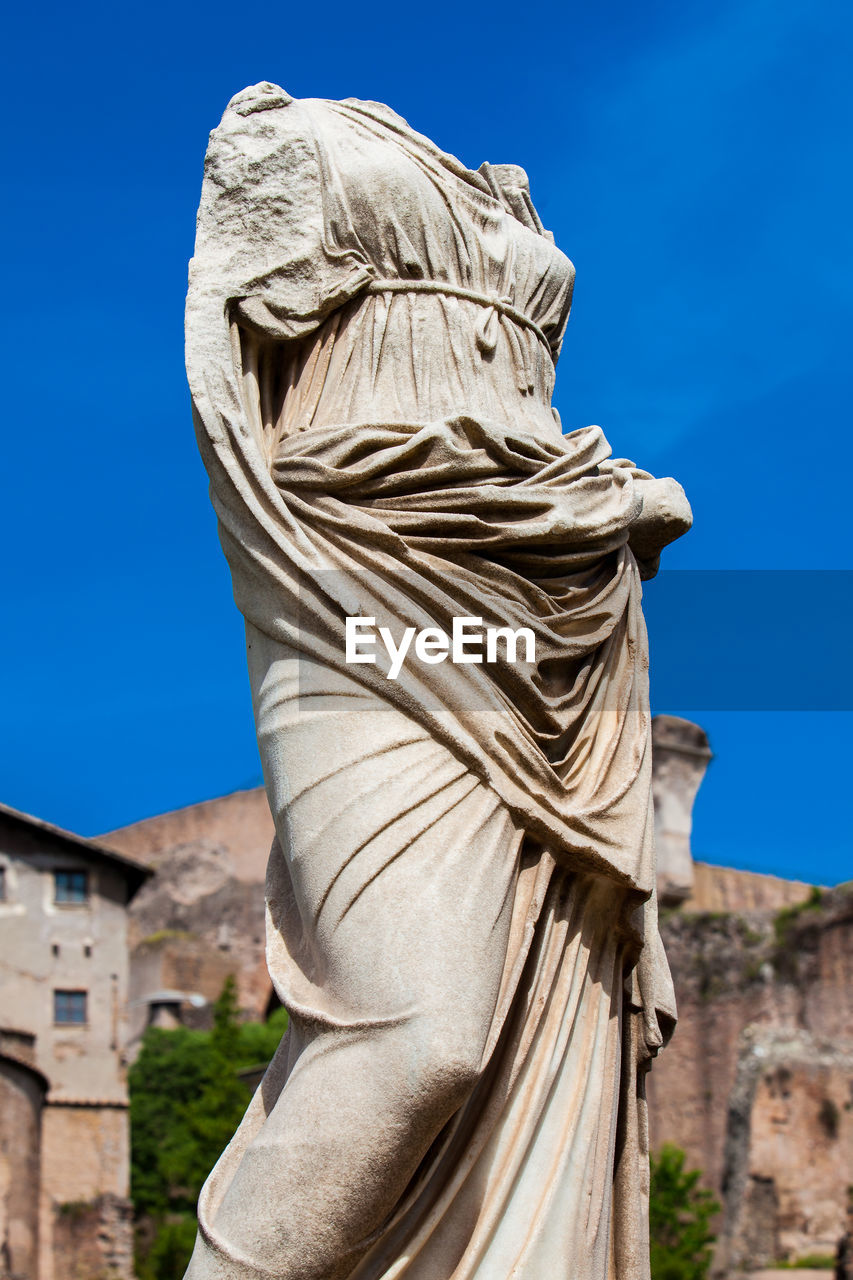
679, 1214
167, 1256
811, 1262
185, 1103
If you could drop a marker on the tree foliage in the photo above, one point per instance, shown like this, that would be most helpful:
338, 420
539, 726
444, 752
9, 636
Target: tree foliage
679, 1215
186, 1100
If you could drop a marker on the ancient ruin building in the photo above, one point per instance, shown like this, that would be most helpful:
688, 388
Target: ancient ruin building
756, 1085
680, 756
64, 1138
22, 1093
201, 917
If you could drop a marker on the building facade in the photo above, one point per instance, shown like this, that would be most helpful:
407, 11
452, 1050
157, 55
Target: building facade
63, 1011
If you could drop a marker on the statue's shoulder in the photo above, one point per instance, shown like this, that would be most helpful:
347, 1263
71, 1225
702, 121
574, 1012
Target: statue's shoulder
259, 97
265, 113
263, 131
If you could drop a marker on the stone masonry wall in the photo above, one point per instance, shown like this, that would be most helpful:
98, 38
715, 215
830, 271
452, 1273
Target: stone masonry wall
791, 971
789, 1149
21, 1099
86, 1217
93, 1240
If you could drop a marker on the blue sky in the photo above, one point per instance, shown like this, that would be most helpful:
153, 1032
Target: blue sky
694, 162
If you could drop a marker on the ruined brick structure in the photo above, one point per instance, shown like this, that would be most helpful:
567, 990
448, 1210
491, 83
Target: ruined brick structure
22, 1094
757, 1085
748, 951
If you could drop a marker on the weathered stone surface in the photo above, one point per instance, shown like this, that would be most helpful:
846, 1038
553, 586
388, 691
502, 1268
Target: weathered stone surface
719, 889
98, 1236
791, 972
22, 1093
196, 922
239, 825
731, 955
733, 968
63, 934
680, 755
789, 1149
774, 1273
202, 917
463, 877
844, 1252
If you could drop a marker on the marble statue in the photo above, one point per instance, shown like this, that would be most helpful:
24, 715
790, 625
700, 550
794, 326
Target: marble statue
461, 910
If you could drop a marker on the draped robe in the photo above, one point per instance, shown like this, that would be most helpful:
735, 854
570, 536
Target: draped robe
371, 337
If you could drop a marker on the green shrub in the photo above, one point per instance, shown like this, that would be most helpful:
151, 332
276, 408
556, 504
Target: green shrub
679, 1214
811, 1262
167, 1256
185, 1103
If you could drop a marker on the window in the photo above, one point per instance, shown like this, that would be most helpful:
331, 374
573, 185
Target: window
70, 1008
2, 884
71, 887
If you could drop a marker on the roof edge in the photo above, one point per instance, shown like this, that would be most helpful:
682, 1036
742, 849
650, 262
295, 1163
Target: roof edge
135, 871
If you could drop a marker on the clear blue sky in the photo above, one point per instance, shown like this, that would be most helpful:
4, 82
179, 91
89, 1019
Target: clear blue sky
693, 159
